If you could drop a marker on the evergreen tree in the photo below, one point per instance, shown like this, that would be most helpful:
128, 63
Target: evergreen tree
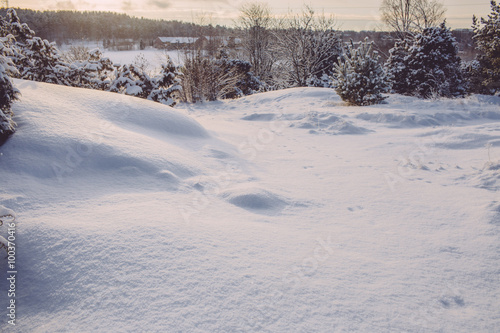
435, 65
8, 94
128, 81
360, 78
20, 32
397, 68
36, 59
42, 63
427, 67
92, 73
487, 38
167, 85
133, 81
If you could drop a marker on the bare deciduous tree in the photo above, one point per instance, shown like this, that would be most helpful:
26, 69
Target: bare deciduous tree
407, 17
309, 45
428, 13
76, 53
206, 79
256, 21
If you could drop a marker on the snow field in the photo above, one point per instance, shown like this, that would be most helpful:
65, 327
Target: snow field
279, 212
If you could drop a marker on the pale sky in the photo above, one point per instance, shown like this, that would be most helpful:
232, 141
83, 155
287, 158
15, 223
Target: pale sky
350, 15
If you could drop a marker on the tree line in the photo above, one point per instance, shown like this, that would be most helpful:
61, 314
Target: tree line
63, 25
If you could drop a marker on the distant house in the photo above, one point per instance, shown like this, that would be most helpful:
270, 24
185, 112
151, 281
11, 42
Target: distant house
172, 43
124, 45
228, 41
232, 42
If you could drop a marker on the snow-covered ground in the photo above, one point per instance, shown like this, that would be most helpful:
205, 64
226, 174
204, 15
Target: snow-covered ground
279, 212
154, 57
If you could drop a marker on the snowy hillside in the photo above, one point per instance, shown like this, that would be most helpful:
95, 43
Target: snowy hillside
278, 212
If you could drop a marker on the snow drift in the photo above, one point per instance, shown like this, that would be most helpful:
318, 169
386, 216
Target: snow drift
263, 214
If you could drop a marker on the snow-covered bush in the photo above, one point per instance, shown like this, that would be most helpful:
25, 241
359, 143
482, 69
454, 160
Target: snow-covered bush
246, 83
167, 85
43, 63
141, 62
92, 73
360, 78
131, 81
487, 38
7, 91
208, 79
427, 67
76, 53
163, 88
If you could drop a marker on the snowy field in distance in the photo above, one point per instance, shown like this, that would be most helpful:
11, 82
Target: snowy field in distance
284, 211
153, 56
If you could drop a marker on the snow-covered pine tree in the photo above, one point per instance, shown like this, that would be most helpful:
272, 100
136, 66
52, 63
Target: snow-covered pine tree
36, 59
127, 82
163, 88
43, 63
397, 68
434, 65
167, 85
8, 94
360, 78
93, 73
21, 32
487, 38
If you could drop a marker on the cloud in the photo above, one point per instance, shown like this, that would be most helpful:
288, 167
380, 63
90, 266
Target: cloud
71, 5
127, 5
162, 4
65, 5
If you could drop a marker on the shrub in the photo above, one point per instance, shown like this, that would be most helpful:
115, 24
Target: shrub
360, 79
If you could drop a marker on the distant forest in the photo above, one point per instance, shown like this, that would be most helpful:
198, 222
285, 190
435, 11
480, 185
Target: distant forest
63, 25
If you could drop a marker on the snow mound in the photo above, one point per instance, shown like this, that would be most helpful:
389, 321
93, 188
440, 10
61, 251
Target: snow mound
255, 200
399, 120
63, 130
99, 141
469, 141
133, 218
260, 117
489, 177
328, 123
409, 112
284, 101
